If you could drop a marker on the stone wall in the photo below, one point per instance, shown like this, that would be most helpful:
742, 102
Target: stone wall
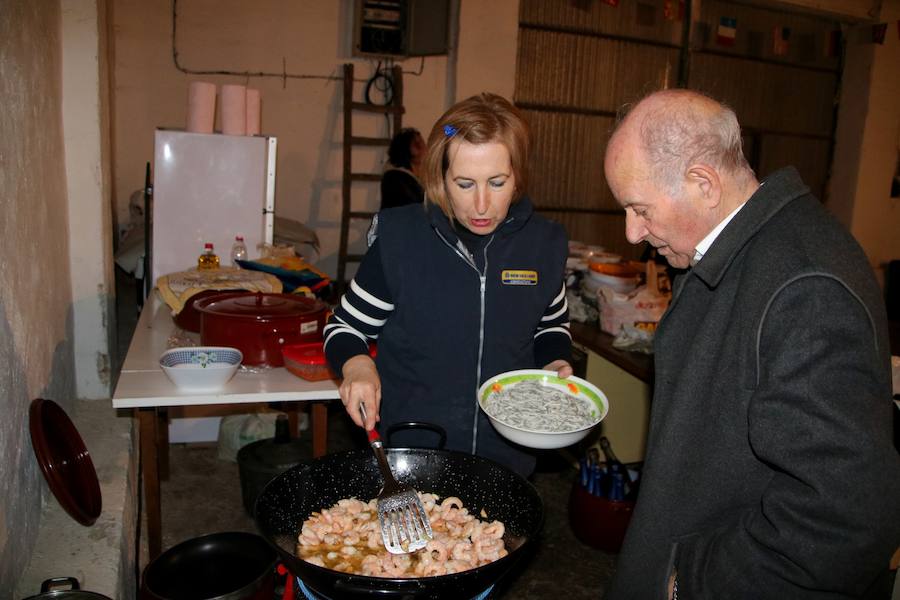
35, 298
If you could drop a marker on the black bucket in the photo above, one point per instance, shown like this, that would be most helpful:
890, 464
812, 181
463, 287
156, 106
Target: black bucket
262, 461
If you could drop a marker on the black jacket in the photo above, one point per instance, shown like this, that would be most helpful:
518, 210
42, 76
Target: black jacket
420, 295
400, 187
770, 471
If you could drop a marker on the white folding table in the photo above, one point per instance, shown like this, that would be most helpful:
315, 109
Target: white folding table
144, 387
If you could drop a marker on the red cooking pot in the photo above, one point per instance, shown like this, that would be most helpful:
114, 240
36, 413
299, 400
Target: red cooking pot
259, 324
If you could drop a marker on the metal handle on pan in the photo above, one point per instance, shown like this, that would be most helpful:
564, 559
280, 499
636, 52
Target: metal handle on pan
418, 425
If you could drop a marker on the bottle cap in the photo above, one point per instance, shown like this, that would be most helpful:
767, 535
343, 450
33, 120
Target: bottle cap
239, 238
208, 245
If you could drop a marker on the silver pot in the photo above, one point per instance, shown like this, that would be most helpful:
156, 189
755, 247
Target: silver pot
51, 590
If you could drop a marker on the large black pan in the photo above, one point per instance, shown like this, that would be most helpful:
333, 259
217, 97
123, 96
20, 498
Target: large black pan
290, 498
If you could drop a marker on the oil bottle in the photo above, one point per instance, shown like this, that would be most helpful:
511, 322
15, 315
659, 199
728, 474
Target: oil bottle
208, 260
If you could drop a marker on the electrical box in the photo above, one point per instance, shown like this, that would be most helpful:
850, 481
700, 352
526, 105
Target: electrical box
400, 28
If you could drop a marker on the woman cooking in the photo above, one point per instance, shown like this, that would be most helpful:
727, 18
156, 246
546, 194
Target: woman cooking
458, 290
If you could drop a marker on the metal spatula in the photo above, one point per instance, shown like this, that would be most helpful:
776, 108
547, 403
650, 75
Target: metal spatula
404, 524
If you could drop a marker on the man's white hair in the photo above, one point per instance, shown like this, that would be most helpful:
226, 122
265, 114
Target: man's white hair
697, 129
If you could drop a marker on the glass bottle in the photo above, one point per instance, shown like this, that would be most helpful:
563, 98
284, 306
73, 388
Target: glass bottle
238, 250
208, 260
619, 479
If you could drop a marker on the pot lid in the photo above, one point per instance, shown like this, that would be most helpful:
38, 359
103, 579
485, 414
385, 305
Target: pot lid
65, 461
51, 590
273, 455
259, 306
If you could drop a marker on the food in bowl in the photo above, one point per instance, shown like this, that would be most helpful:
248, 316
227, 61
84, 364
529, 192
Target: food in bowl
201, 368
539, 409
532, 405
347, 537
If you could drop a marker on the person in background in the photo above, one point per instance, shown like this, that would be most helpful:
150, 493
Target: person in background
400, 181
769, 470
456, 291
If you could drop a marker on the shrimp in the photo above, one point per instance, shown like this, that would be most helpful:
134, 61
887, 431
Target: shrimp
347, 537
489, 531
371, 565
434, 569
351, 538
462, 551
436, 546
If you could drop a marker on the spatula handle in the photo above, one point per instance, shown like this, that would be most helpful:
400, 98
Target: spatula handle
373, 435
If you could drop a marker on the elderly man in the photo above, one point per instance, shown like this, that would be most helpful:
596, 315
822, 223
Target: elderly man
770, 470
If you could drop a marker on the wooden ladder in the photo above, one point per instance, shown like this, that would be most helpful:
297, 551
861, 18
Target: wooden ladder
395, 110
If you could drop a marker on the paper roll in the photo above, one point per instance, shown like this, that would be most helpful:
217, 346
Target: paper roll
253, 104
234, 109
201, 107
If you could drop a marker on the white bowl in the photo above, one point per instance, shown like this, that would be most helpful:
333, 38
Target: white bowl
200, 368
532, 438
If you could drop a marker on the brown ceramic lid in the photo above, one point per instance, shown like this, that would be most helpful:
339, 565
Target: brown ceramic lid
259, 306
65, 461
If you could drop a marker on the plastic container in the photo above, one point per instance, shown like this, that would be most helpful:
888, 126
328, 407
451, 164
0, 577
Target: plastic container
307, 361
208, 260
238, 250
597, 521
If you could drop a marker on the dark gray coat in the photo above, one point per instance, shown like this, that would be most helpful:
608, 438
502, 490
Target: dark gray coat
770, 471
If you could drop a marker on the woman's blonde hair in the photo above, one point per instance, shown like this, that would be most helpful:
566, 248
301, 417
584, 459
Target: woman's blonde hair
481, 119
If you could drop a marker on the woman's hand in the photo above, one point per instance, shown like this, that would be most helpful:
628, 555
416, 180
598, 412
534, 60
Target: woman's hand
562, 368
361, 384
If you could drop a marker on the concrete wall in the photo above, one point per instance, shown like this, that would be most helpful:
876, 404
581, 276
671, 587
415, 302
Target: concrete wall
867, 148
309, 41
36, 348
85, 131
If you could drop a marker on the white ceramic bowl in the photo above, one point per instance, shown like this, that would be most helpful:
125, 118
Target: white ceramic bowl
544, 440
201, 368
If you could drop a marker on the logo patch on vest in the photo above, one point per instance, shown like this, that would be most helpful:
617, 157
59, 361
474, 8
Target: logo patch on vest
519, 277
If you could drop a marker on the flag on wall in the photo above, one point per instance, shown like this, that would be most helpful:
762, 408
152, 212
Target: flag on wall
878, 32
781, 37
727, 31
670, 12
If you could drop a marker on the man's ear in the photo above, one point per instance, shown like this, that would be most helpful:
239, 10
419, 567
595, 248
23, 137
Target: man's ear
706, 181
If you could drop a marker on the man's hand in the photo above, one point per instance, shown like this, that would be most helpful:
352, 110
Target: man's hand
361, 384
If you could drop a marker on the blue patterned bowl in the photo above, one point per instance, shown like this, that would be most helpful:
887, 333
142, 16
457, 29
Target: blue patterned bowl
201, 368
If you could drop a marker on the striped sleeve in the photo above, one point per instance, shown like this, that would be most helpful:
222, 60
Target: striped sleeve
552, 340
361, 313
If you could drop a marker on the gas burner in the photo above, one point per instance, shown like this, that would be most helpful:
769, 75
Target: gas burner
304, 592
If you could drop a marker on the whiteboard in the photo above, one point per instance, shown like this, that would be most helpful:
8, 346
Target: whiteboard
209, 188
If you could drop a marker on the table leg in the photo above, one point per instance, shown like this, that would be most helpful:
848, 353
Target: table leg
320, 428
162, 443
150, 471
292, 409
